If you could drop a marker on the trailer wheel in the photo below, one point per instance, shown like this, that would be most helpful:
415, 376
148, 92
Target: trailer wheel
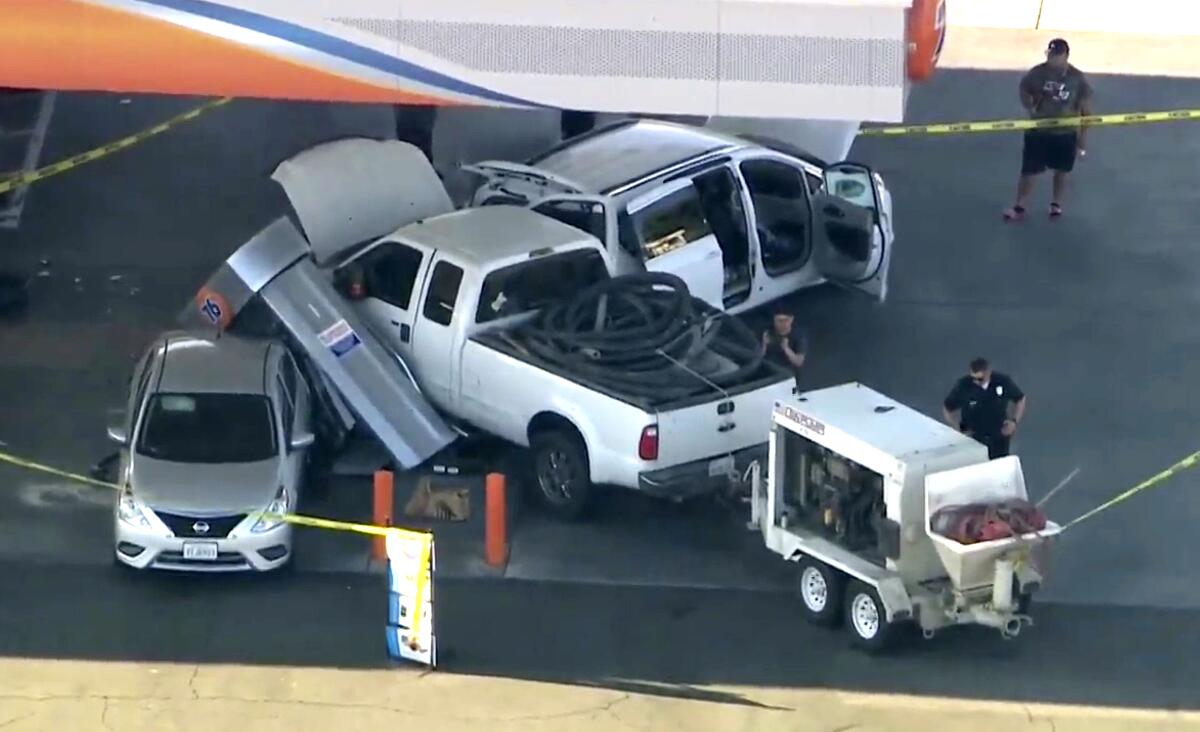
821, 589
866, 618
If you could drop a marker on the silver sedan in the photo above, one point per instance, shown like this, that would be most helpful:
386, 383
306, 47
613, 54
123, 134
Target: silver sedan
216, 433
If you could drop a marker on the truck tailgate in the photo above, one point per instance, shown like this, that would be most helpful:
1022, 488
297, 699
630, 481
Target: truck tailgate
718, 427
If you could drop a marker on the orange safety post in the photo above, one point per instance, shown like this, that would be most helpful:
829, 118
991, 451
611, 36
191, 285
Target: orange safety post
381, 514
496, 523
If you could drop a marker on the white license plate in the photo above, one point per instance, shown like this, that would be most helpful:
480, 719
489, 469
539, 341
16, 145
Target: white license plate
200, 550
720, 466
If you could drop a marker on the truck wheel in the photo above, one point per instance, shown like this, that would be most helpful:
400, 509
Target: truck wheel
561, 473
821, 589
866, 619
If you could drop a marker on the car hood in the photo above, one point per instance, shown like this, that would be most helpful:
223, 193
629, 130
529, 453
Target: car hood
350, 191
203, 489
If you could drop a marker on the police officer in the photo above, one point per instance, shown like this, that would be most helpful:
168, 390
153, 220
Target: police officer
986, 405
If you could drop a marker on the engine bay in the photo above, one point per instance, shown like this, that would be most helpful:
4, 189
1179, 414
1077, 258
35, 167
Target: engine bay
834, 496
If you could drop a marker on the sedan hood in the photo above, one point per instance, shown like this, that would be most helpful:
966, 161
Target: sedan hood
200, 489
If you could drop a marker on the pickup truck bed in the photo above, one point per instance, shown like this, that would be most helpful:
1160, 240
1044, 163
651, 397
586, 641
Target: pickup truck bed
512, 344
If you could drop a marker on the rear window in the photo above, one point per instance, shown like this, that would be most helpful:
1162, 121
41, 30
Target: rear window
208, 428
533, 284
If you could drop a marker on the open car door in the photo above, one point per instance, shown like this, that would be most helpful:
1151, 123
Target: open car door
669, 231
349, 192
851, 246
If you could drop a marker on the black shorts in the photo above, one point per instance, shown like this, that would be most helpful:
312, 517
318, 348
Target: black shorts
1053, 150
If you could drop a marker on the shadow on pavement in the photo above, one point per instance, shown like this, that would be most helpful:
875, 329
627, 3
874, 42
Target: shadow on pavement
654, 641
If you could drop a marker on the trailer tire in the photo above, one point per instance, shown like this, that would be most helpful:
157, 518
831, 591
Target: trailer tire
561, 473
821, 589
866, 618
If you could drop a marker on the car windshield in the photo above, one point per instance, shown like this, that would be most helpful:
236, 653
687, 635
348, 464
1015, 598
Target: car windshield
208, 428
532, 284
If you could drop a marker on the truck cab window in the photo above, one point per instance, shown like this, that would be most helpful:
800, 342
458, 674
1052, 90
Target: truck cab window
778, 194
671, 222
443, 293
530, 285
390, 273
584, 215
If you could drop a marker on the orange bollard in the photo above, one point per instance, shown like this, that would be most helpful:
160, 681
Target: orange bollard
381, 513
495, 531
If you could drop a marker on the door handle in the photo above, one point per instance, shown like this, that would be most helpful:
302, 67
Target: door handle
405, 332
834, 211
726, 427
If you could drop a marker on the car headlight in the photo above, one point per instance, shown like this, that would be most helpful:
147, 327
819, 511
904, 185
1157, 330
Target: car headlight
130, 510
273, 514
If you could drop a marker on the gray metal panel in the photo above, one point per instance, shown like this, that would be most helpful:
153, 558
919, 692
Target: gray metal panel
275, 265
248, 269
509, 48
268, 253
364, 372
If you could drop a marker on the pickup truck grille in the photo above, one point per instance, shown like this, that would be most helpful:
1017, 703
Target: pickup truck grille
185, 526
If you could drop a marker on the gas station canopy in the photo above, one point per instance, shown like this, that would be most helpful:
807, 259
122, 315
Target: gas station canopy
804, 59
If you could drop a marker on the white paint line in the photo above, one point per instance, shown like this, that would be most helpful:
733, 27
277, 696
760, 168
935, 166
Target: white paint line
1062, 484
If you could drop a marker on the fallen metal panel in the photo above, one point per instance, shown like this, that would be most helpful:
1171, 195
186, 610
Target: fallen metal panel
347, 192
274, 267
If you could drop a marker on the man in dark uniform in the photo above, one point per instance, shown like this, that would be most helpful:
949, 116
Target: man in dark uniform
786, 343
1052, 89
986, 405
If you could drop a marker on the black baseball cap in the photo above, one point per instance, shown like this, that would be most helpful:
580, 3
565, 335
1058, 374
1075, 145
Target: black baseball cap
1058, 47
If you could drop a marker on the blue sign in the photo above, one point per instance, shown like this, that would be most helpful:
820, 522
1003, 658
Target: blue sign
211, 309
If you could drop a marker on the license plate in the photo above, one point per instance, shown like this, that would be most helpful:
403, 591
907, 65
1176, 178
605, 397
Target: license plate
720, 466
200, 550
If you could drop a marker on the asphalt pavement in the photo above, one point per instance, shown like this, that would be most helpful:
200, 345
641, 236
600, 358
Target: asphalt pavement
1091, 315
663, 642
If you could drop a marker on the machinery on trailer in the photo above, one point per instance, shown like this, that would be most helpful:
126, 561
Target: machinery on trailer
895, 518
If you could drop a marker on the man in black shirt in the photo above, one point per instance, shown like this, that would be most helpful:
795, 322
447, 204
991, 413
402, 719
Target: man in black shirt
786, 343
986, 405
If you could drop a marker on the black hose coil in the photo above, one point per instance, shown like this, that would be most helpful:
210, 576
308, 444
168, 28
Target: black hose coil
644, 335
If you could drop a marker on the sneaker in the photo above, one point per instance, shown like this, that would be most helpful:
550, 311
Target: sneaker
1016, 213
1055, 211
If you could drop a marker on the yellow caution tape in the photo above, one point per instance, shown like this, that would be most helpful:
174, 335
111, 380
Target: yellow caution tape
1188, 462
1096, 120
291, 518
12, 181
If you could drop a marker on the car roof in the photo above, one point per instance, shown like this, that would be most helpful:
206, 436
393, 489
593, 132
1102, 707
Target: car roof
488, 234
613, 156
201, 362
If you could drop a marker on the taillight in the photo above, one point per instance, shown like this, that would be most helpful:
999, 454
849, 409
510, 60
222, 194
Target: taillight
648, 444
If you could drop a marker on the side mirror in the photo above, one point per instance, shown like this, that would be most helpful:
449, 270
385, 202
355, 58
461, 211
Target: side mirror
117, 434
303, 440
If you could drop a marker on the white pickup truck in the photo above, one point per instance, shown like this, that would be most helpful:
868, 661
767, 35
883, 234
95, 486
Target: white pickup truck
448, 291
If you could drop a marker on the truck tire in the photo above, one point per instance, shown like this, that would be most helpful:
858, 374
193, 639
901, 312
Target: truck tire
561, 473
821, 589
866, 618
